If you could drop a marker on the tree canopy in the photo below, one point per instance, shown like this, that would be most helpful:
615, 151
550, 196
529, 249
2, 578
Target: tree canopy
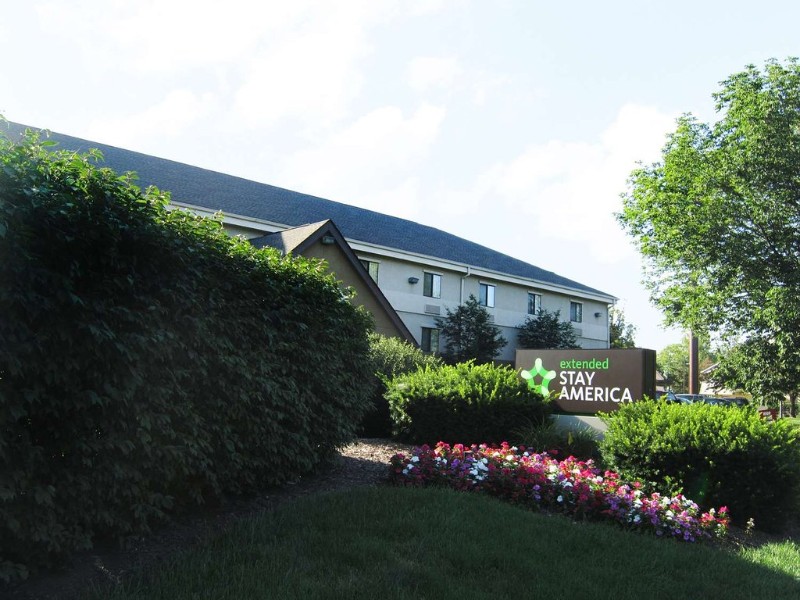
620, 332
469, 334
716, 220
673, 362
546, 330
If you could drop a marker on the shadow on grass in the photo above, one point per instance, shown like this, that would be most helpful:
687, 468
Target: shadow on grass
411, 543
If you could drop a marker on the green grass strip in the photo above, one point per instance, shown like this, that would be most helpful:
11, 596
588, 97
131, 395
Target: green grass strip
398, 543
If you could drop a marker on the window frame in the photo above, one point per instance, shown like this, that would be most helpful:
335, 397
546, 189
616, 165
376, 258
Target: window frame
368, 264
575, 311
537, 303
435, 286
429, 335
484, 301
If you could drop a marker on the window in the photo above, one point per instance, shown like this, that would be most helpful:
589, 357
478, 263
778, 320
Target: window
576, 312
430, 340
534, 303
486, 295
432, 286
372, 269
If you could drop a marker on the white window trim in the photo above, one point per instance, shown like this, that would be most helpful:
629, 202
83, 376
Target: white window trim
579, 303
494, 294
440, 276
528, 299
438, 337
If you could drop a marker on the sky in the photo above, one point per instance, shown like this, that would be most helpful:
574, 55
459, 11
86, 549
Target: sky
514, 124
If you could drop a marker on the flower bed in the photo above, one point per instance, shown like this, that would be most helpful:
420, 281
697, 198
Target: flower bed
572, 487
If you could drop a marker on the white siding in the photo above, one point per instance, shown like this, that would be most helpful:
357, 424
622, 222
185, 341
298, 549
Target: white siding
458, 282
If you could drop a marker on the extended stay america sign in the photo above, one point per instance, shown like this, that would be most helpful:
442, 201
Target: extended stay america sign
590, 381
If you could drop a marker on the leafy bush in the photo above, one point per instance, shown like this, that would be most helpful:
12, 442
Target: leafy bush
546, 330
715, 455
390, 357
148, 361
474, 403
548, 437
469, 334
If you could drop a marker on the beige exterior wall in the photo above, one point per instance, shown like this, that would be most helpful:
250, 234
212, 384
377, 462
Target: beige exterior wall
511, 300
344, 271
458, 282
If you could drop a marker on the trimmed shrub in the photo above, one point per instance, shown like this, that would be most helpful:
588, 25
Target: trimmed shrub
547, 437
714, 455
463, 403
148, 361
390, 357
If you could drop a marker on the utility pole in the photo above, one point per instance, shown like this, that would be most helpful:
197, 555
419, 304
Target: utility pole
694, 365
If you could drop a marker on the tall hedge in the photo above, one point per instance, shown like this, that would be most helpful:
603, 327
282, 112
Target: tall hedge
463, 403
715, 455
390, 357
148, 361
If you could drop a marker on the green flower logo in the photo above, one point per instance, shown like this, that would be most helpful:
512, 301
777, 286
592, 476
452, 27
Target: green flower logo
538, 370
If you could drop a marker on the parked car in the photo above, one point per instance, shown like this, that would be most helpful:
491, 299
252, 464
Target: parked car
669, 396
737, 401
690, 398
715, 401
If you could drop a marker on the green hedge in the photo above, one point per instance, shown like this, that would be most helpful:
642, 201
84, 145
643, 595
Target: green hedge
390, 357
715, 455
148, 361
463, 403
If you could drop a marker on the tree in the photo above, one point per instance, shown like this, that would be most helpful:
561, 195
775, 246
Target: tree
740, 366
673, 362
546, 330
620, 333
717, 219
469, 334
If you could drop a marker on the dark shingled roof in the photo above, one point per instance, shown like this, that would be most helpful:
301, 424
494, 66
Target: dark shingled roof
237, 196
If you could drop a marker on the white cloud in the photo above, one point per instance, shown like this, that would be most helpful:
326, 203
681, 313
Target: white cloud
427, 71
312, 76
404, 200
573, 188
372, 162
166, 35
178, 110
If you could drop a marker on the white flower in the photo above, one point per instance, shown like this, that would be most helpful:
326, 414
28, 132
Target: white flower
567, 484
560, 499
415, 459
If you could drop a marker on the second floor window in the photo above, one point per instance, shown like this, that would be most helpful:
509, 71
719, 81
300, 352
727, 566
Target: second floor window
432, 286
486, 295
534, 303
372, 269
576, 312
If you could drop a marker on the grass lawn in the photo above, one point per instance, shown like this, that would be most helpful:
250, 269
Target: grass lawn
390, 542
